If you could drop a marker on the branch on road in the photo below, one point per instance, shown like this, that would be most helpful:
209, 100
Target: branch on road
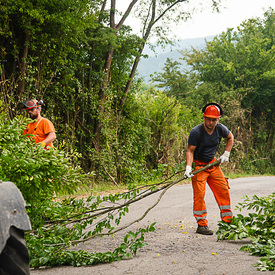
88, 217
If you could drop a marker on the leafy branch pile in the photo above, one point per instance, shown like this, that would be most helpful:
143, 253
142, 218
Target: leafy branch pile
259, 226
73, 221
70, 222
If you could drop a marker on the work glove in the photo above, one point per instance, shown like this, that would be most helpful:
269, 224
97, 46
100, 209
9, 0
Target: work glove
225, 156
42, 143
188, 172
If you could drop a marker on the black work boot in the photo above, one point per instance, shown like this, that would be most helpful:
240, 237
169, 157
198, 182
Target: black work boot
204, 230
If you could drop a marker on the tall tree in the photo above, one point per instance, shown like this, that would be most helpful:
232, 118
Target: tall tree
155, 17
240, 67
81, 58
37, 38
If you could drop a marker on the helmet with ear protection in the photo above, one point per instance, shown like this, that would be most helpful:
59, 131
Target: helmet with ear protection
30, 104
212, 110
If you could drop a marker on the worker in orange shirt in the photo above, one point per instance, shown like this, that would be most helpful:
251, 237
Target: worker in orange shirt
42, 129
203, 143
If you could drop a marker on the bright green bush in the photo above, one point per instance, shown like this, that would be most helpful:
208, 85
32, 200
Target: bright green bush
38, 173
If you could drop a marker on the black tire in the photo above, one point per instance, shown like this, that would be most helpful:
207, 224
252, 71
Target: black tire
14, 259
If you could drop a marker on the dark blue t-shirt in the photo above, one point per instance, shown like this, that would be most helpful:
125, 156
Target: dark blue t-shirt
211, 142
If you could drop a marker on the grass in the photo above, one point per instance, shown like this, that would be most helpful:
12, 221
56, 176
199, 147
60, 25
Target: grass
95, 190
244, 175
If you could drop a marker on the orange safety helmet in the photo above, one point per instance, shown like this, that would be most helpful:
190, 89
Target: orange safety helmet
212, 110
30, 104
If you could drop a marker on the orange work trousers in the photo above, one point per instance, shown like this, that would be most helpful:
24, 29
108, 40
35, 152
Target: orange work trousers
220, 188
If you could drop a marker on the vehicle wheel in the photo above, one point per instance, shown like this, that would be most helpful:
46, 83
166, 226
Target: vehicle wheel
14, 258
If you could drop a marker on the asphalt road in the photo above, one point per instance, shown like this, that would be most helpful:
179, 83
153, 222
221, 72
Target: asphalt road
175, 248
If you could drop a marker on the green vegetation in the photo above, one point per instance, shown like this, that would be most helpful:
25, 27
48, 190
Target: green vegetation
111, 128
259, 226
121, 129
69, 222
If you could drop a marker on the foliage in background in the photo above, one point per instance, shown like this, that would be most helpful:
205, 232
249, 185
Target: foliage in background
84, 73
81, 59
160, 116
236, 70
259, 226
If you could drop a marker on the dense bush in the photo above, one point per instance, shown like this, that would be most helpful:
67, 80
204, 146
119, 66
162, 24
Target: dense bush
38, 173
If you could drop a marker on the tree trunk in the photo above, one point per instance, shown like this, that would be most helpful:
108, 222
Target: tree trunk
102, 98
147, 30
23, 66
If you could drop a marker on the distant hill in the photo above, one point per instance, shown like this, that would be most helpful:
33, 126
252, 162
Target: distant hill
155, 61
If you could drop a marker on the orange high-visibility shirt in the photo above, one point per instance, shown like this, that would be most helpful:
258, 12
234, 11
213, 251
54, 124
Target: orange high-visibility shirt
40, 129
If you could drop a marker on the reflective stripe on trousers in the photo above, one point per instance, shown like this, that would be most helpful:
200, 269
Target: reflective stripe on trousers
219, 186
200, 215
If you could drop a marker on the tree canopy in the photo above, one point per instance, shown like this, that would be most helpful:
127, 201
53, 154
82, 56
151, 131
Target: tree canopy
239, 66
81, 59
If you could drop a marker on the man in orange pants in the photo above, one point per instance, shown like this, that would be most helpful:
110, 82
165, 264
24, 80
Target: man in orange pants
203, 143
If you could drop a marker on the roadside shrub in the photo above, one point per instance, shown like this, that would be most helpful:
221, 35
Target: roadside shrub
38, 173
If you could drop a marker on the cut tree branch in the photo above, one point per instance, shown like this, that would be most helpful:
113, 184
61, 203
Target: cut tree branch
164, 188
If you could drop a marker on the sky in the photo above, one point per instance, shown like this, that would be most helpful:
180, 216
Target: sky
233, 13
231, 16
